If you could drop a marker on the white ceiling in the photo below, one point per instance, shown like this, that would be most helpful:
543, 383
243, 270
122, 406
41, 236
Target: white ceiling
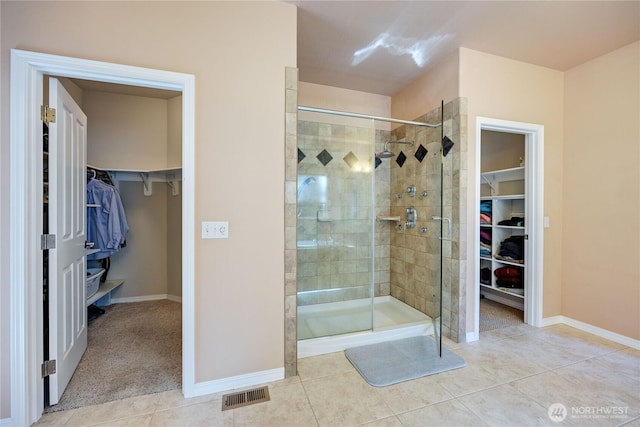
381, 46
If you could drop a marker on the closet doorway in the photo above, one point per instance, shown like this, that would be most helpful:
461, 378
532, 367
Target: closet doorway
509, 222
27, 73
133, 154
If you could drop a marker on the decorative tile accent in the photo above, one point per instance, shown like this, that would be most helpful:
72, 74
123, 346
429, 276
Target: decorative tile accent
401, 159
350, 159
447, 145
324, 157
421, 152
301, 155
378, 162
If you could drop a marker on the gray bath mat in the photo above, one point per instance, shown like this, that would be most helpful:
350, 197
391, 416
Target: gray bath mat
393, 362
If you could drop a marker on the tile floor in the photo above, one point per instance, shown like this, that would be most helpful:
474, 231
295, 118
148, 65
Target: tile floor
513, 376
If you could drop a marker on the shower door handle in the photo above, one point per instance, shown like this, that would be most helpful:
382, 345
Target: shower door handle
440, 218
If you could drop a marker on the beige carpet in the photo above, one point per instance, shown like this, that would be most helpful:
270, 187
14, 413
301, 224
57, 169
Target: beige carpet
134, 349
494, 315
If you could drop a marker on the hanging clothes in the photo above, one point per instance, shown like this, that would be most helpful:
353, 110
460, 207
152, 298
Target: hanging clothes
106, 221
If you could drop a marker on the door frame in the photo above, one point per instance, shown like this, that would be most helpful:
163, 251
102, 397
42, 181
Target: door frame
25, 267
534, 187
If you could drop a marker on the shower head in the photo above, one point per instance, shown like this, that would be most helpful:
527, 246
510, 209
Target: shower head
386, 154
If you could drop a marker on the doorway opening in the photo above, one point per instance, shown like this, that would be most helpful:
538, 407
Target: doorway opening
508, 224
27, 71
133, 289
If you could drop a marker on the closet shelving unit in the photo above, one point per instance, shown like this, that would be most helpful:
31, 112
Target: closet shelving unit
104, 292
504, 206
169, 175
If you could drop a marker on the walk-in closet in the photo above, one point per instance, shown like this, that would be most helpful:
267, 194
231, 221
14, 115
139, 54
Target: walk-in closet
134, 146
502, 230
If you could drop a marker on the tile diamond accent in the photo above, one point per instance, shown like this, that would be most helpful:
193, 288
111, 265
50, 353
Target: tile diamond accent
378, 162
401, 158
421, 152
324, 157
301, 155
350, 159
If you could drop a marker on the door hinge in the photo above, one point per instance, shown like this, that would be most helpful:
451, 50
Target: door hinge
47, 114
47, 241
526, 237
48, 368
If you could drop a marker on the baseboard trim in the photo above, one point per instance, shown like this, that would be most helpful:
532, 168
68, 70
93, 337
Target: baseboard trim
174, 298
472, 336
146, 298
595, 330
240, 381
5, 422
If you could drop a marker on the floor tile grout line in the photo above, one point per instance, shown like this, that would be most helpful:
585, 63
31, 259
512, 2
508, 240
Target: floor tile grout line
473, 412
496, 385
313, 411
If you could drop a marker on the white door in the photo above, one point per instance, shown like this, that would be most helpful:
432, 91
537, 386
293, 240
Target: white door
67, 216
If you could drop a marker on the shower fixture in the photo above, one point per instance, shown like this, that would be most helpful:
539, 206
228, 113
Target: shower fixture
386, 154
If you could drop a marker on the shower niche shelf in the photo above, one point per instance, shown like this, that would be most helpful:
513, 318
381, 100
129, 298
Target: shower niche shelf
387, 218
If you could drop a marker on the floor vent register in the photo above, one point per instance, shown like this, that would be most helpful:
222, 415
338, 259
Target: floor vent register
245, 398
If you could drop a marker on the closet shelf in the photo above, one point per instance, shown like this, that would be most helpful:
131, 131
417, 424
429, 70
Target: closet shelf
515, 264
511, 174
503, 197
105, 289
171, 176
509, 227
500, 290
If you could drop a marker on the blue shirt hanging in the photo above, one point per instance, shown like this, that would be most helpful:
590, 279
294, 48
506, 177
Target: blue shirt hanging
106, 222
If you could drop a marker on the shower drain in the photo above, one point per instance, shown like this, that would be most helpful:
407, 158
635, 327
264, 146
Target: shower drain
244, 398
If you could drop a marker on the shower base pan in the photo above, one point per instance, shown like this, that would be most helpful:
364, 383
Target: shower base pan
327, 328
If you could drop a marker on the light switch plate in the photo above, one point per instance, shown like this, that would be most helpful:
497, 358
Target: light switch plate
215, 229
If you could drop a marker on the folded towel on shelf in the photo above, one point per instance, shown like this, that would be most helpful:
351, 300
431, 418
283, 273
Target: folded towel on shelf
485, 236
485, 219
515, 221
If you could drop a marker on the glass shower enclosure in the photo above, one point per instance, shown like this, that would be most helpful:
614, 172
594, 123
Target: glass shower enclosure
369, 224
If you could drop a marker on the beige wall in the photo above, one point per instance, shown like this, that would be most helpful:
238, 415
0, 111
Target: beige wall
174, 242
125, 132
424, 94
501, 88
140, 133
238, 52
601, 187
500, 150
174, 203
174, 132
335, 98
143, 262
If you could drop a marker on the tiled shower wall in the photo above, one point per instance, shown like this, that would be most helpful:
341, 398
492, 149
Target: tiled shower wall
335, 213
415, 252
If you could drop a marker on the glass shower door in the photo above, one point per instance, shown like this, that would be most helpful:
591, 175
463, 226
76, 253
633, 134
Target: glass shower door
443, 227
334, 225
